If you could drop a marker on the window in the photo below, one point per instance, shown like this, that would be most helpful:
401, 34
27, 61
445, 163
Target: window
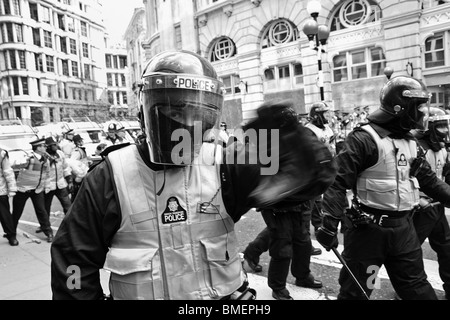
87, 71
84, 29
63, 44
283, 77
16, 7
19, 33
61, 22
36, 37
12, 59
24, 85
74, 69
116, 78
353, 13
434, 51
118, 97
74, 94
50, 64
298, 74
39, 62
110, 97
16, 90
49, 91
73, 46
22, 59
124, 98
6, 8
48, 39
45, 15
109, 79
222, 49
108, 61
65, 67
358, 64
279, 32
85, 50
178, 39
122, 78
231, 84
70, 24
34, 11
122, 62
115, 62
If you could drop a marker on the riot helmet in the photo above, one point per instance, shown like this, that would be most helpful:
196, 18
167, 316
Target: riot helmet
319, 114
404, 99
181, 101
438, 125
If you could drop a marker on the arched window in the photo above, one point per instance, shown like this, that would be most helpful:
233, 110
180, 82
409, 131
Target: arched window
354, 13
222, 49
279, 32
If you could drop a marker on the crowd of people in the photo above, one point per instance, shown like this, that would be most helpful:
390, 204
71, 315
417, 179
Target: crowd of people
52, 169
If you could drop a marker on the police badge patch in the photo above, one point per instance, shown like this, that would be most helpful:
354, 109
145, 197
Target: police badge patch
174, 212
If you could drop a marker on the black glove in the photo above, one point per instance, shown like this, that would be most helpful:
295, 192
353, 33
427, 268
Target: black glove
327, 233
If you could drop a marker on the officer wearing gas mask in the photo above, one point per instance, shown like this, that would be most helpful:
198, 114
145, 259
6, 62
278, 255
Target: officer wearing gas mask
430, 221
382, 164
163, 223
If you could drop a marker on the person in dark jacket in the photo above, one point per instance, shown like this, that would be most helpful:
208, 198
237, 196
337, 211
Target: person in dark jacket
386, 191
160, 215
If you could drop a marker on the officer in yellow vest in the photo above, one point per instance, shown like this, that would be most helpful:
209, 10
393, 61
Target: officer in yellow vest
160, 215
381, 163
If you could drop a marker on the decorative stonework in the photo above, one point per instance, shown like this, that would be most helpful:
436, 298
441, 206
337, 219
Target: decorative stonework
356, 36
429, 20
221, 67
279, 53
202, 20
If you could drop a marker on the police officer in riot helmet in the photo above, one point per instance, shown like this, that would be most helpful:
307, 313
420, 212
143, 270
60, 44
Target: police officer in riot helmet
385, 186
163, 224
319, 114
430, 221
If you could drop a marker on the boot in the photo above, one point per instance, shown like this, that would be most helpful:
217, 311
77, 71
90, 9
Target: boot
12, 240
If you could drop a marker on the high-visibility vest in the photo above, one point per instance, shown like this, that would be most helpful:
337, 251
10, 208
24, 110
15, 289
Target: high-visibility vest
387, 185
176, 240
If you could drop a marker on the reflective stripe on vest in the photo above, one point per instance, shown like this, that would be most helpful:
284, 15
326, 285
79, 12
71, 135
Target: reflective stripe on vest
387, 184
165, 247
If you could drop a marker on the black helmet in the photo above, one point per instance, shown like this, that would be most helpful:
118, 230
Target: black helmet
438, 123
317, 114
180, 91
402, 98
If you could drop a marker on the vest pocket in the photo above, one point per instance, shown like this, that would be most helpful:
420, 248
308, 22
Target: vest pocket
381, 193
135, 273
222, 266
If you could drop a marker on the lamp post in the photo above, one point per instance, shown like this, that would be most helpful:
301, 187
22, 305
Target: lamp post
320, 34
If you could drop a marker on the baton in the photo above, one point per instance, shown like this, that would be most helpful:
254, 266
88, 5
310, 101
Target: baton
338, 255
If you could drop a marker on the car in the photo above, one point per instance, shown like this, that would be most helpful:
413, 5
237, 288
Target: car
15, 137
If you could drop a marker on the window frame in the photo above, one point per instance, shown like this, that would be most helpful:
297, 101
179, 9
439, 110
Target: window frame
285, 83
444, 49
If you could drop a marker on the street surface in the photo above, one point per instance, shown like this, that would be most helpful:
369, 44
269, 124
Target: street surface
324, 267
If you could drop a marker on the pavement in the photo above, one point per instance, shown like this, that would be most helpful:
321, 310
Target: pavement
25, 273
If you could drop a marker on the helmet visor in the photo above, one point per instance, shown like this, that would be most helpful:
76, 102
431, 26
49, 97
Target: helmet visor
179, 112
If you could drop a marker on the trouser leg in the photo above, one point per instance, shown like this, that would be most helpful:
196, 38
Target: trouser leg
404, 265
6, 218
63, 197
41, 212
19, 201
301, 251
258, 246
280, 248
48, 199
316, 213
